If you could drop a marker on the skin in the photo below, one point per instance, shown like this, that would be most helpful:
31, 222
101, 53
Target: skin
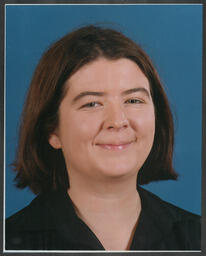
106, 131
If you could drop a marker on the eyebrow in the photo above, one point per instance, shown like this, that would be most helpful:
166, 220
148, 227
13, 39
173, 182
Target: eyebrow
100, 94
87, 93
137, 89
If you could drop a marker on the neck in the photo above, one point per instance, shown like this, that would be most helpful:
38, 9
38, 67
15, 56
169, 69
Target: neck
109, 208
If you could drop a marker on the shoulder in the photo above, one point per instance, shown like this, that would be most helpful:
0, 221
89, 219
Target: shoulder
173, 221
35, 213
149, 199
33, 220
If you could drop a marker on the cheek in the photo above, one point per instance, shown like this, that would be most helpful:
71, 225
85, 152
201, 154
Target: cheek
143, 122
81, 130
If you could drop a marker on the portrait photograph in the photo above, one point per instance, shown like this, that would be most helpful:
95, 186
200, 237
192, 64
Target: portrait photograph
103, 117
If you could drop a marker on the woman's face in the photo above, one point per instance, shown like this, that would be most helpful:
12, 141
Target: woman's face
106, 120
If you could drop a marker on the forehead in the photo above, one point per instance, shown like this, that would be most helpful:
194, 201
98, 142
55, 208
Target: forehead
112, 75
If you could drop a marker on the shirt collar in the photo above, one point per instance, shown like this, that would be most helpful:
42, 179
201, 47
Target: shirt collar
155, 221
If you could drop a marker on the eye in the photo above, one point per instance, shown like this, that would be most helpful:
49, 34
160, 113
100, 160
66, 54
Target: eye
134, 101
92, 104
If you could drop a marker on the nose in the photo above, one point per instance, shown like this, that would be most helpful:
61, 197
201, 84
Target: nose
115, 118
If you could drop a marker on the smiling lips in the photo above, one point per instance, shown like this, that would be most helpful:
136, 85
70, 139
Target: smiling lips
117, 147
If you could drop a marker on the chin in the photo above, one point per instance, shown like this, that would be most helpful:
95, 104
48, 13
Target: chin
119, 170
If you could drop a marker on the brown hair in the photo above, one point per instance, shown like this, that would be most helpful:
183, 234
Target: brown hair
41, 167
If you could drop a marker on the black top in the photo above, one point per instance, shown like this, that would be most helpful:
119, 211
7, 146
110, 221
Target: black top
50, 223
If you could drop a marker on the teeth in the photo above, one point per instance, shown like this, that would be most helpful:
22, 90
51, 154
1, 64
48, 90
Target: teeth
114, 147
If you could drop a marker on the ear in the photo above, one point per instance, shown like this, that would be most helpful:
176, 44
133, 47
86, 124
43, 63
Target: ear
54, 141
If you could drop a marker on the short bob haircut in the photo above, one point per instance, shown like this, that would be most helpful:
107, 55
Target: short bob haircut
42, 167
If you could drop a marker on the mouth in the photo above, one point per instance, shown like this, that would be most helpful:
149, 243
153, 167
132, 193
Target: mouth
115, 147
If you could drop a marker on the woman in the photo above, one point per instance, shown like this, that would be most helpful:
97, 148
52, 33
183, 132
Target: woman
96, 123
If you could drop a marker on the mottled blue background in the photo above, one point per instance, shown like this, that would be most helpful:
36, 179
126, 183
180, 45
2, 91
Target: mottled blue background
170, 34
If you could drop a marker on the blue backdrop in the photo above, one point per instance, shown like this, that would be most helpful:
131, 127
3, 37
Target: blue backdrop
170, 34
